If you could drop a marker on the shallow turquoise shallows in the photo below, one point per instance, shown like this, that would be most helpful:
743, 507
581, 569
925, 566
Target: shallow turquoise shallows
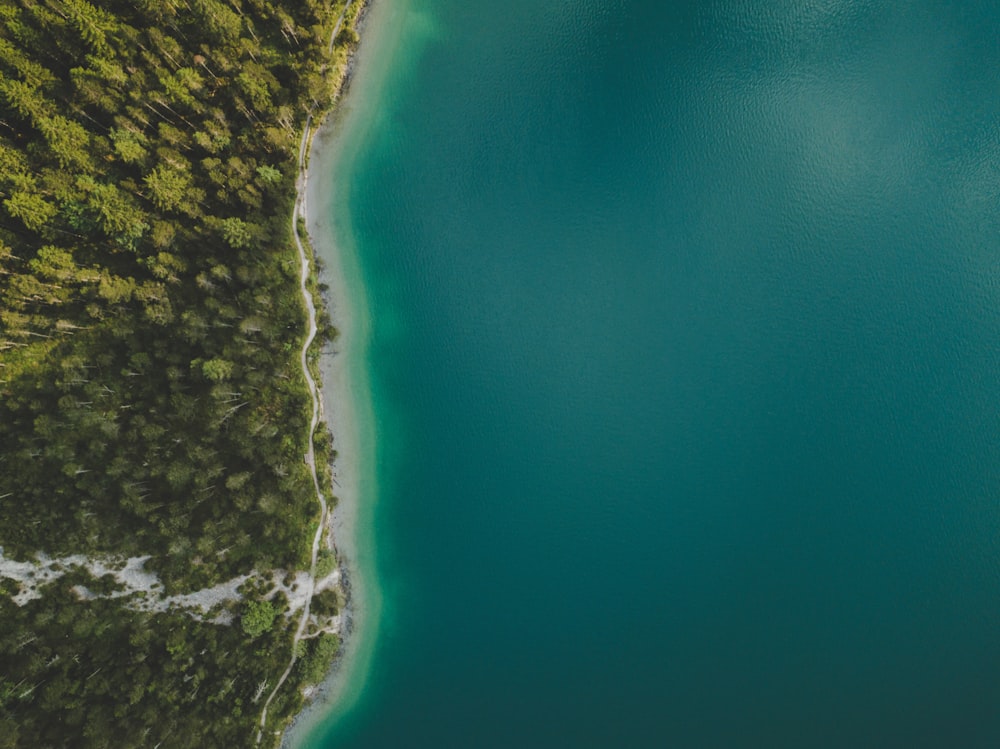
685, 359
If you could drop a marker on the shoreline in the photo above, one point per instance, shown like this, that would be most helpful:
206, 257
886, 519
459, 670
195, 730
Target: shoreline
345, 406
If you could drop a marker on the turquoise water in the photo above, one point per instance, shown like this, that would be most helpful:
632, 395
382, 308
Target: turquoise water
684, 353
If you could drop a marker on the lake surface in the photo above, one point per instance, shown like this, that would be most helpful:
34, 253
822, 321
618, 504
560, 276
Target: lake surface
685, 340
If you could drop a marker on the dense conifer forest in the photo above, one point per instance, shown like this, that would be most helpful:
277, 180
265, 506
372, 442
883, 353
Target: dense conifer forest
151, 401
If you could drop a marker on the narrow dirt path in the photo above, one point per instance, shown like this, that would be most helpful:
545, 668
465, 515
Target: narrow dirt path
300, 211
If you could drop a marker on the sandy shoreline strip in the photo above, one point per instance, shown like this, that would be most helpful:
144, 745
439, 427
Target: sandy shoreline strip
346, 407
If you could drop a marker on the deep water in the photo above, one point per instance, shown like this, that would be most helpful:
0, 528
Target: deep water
684, 356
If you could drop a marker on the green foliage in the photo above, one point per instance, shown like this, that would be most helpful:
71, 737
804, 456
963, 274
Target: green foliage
316, 662
128, 145
326, 563
217, 370
147, 155
94, 25
168, 185
237, 233
258, 618
67, 139
268, 175
117, 214
31, 208
128, 679
24, 97
347, 36
326, 603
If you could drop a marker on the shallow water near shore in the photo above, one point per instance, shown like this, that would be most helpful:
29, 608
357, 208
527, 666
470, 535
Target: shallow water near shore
683, 360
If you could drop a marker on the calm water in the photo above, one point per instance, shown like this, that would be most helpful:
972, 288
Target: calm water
685, 347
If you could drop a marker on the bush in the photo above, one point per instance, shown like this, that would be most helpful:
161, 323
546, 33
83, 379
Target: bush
325, 563
325, 603
258, 617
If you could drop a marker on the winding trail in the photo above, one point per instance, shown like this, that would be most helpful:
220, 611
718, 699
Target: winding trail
300, 211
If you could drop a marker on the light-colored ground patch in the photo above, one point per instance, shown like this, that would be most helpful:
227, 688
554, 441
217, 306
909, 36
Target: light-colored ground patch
143, 587
144, 590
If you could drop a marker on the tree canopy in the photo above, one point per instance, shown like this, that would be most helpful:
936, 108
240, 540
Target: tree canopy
151, 400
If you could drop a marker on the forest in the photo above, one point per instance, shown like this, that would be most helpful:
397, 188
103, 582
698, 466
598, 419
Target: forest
151, 401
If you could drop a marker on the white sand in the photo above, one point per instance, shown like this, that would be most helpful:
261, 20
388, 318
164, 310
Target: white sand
131, 576
145, 590
347, 397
